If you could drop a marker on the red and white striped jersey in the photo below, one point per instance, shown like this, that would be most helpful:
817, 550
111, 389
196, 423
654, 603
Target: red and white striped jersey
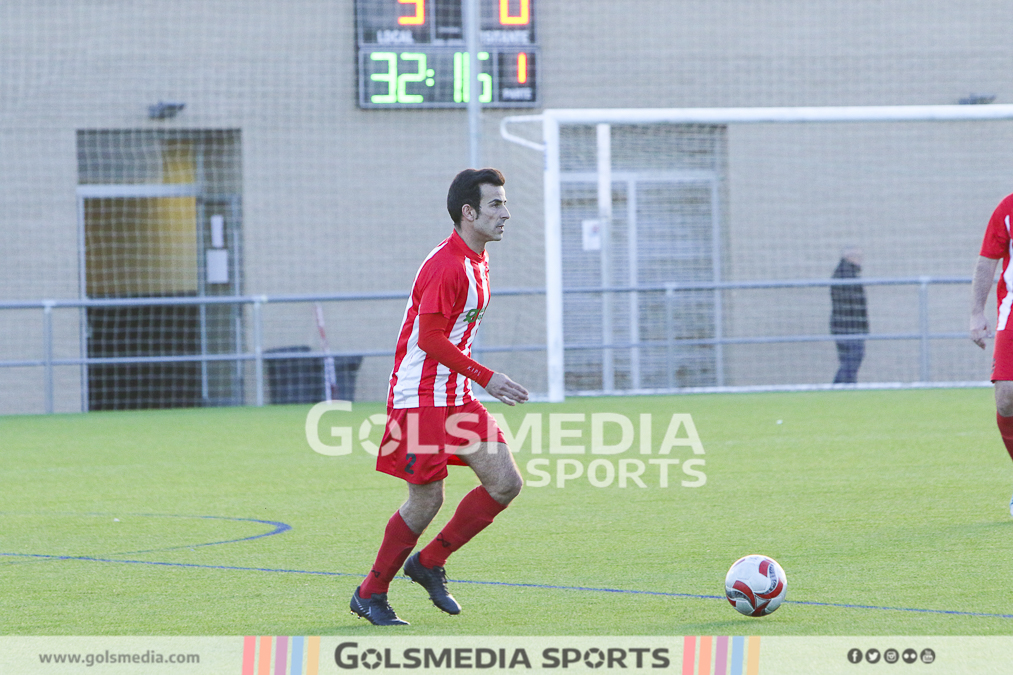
998, 243
452, 281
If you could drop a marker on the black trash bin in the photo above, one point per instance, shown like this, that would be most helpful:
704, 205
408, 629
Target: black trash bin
294, 380
301, 380
345, 370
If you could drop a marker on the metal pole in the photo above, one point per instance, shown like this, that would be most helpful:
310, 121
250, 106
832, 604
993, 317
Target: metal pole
201, 292
473, 44
82, 317
553, 264
604, 136
633, 278
234, 231
258, 348
719, 312
47, 338
669, 344
923, 316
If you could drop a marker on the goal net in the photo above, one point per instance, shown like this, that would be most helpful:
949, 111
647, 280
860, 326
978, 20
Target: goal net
708, 249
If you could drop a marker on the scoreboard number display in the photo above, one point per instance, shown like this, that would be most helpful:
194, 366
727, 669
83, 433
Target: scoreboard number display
412, 54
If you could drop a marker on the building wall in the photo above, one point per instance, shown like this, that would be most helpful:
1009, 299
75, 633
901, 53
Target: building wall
338, 199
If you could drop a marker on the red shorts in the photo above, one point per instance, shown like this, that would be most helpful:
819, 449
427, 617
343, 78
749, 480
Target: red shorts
419, 443
1002, 355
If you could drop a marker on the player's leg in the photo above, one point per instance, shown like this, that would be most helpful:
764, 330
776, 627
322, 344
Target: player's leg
1002, 376
424, 471
424, 502
501, 480
401, 534
495, 467
1004, 412
399, 538
1004, 418
1004, 398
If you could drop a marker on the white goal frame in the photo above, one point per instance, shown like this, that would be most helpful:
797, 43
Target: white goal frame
552, 119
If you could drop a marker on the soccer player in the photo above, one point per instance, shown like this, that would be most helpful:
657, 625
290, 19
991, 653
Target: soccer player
432, 418
997, 246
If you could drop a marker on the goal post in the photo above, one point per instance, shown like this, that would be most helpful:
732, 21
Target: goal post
957, 163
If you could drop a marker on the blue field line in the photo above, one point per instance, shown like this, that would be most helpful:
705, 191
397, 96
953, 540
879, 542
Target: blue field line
897, 609
721, 597
585, 589
280, 527
88, 558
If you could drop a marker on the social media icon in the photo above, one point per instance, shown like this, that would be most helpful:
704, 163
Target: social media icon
909, 656
855, 655
891, 656
928, 656
872, 655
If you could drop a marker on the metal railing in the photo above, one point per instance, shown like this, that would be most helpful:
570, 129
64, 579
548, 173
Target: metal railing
257, 355
923, 334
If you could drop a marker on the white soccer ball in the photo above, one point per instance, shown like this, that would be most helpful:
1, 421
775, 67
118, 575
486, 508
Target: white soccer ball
755, 585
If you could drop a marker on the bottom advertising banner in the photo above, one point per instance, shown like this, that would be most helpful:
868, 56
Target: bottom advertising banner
685, 655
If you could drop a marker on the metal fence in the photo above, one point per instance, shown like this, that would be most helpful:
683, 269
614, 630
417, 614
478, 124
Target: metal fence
720, 338
250, 349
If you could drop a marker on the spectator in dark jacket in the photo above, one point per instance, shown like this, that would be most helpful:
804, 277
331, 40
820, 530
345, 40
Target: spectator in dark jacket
848, 316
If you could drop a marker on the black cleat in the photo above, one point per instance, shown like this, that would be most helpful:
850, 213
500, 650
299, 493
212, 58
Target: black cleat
376, 610
434, 580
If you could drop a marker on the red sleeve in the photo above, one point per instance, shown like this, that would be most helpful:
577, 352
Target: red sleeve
997, 236
433, 341
444, 289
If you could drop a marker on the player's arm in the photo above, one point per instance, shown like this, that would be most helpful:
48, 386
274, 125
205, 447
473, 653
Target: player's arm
433, 341
984, 274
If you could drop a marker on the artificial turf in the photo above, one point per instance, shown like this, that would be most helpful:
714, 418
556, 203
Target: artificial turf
887, 509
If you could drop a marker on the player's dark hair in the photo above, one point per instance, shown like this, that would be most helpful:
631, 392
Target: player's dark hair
466, 188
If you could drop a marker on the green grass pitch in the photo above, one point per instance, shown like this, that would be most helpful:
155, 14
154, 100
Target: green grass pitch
887, 509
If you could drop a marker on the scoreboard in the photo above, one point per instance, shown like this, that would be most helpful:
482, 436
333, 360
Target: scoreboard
412, 54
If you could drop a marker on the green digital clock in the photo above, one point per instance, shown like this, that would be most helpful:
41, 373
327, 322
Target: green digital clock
411, 54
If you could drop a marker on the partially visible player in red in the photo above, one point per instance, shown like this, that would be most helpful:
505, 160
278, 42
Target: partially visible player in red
432, 418
996, 247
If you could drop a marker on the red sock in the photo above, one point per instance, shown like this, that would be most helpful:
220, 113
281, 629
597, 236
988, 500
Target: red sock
1006, 430
473, 514
398, 542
